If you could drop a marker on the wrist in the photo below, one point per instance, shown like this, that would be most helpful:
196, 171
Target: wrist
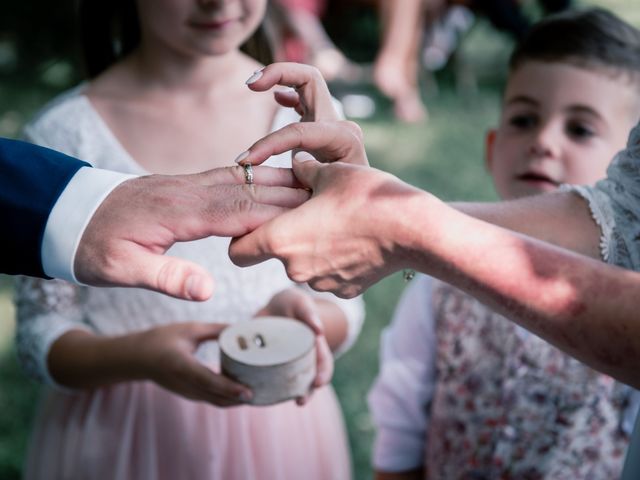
415, 218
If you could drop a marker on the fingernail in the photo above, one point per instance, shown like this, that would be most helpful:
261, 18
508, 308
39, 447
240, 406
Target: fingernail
246, 396
242, 156
193, 286
255, 77
303, 157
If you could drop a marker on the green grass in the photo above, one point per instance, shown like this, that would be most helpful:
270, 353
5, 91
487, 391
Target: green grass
444, 156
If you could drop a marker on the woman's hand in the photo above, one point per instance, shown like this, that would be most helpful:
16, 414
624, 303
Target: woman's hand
310, 97
355, 229
166, 355
295, 303
338, 141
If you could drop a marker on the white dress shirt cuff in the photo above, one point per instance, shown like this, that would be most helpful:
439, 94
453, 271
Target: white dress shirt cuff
70, 216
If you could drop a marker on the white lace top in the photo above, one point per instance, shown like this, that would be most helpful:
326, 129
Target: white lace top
48, 309
615, 206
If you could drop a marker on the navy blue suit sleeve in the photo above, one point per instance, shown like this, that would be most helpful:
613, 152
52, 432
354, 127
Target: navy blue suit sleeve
31, 180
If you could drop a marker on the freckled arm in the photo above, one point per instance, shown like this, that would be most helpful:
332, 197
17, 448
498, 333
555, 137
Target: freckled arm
583, 306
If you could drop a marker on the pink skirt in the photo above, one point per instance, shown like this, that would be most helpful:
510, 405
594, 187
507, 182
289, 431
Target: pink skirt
139, 431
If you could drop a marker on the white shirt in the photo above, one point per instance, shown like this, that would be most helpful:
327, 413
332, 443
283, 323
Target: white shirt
70, 216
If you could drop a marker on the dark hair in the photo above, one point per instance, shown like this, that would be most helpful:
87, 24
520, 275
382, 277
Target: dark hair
110, 30
593, 38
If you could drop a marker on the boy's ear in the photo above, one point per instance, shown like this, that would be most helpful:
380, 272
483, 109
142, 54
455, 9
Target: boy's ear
489, 142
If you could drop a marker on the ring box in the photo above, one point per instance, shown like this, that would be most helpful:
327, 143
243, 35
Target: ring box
274, 356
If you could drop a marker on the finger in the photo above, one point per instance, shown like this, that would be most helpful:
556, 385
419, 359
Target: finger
250, 249
287, 98
303, 400
308, 82
280, 196
324, 362
236, 219
304, 309
328, 141
216, 385
263, 312
307, 169
235, 174
171, 276
201, 332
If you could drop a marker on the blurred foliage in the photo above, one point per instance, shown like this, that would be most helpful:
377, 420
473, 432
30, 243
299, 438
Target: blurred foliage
36, 34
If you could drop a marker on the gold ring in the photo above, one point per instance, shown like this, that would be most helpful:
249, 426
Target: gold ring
248, 174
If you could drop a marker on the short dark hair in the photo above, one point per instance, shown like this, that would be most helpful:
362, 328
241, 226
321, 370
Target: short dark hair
591, 38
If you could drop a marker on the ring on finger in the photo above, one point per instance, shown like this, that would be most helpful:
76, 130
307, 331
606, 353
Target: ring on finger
248, 174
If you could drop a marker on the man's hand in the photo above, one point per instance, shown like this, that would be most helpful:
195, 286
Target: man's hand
124, 243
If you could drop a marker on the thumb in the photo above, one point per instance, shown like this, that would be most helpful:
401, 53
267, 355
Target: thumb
306, 169
172, 276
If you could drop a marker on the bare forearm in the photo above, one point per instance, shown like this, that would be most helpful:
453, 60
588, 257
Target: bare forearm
560, 218
583, 306
334, 322
80, 359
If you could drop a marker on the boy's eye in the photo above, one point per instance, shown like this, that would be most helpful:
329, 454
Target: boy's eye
580, 131
522, 121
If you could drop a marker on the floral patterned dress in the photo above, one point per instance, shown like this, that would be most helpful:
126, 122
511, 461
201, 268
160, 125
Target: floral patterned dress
508, 405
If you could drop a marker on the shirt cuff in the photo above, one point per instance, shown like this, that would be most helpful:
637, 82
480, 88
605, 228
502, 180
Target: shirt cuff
398, 451
70, 216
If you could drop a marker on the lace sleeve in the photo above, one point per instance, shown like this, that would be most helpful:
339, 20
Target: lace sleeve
45, 310
615, 206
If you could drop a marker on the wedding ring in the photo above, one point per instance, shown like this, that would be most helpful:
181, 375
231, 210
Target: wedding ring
248, 174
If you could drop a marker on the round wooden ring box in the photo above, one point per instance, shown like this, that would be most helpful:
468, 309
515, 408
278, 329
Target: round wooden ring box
274, 356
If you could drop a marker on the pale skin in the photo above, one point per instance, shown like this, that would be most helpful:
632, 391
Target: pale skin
199, 78
349, 235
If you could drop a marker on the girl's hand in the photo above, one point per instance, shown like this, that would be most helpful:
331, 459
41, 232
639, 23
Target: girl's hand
295, 303
166, 355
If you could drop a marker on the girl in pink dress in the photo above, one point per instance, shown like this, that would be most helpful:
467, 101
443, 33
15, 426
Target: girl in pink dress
135, 391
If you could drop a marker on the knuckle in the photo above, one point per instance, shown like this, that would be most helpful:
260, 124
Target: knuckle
297, 128
355, 129
315, 73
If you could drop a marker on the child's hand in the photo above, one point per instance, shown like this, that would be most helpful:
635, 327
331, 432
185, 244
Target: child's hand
311, 98
295, 303
165, 356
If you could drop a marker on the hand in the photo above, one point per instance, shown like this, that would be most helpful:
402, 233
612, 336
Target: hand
295, 303
311, 98
142, 218
346, 237
340, 141
166, 355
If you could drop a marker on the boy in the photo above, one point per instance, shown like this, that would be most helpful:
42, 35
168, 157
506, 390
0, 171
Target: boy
464, 394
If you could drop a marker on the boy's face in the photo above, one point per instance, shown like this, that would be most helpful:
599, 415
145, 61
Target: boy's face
560, 124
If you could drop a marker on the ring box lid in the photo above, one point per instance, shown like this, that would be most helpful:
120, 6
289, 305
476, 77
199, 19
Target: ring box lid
267, 341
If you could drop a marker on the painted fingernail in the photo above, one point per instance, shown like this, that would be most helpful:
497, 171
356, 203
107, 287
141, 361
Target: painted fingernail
241, 157
254, 78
